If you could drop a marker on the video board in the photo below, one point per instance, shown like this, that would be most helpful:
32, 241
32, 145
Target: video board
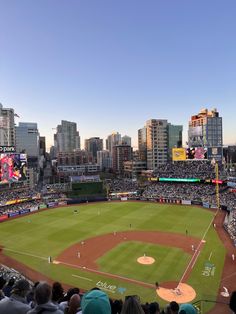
12, 167
196, 153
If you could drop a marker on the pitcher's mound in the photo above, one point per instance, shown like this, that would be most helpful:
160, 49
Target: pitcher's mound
183, 294
146, 260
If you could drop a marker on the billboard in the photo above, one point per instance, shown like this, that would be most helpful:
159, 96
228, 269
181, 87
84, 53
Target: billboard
12, 167
215, 153
178, 154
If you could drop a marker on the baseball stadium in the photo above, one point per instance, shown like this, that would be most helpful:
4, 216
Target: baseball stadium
164, 238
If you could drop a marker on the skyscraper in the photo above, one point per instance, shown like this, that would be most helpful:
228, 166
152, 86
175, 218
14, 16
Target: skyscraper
93, 145
27, 141
121, 153
112, 140
7, 126
205, 130
67, 137
157, 143
175, 133
142, 144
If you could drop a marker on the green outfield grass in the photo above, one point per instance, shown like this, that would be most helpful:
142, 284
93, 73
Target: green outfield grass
50, 232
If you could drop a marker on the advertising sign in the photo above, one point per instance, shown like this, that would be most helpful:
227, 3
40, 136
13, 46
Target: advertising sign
24, 211
13, 214
215, 153
178, 154
3, 217
7, 149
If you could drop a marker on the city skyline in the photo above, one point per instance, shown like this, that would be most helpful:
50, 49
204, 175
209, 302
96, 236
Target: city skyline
110, 66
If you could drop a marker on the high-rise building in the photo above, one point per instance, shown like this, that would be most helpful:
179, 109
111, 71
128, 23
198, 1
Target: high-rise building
42, 145
112, 140
104, 160
67, 137
126, 140
93, 145
142, 144
175, 133
121, 153
7, 126
205, 130
157, 143
27, 141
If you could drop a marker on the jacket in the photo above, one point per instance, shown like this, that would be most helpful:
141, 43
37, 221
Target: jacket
14, 305
46, 308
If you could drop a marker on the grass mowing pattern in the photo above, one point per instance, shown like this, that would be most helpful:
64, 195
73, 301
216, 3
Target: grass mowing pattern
50, 232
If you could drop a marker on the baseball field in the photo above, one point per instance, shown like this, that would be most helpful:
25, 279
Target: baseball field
99, 245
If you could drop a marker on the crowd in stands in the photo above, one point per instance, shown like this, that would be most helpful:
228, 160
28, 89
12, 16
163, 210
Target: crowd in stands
9, 209
19, 295
202, 169
10, 195
122, 185
230, 225
180, 191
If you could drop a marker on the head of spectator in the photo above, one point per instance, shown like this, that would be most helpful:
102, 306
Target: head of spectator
64, 304
132, 305
116, 306
8, 287
154, 308
74, 305
17, 302
21, 288
174, 307
57, 292
71, 292
43, 293
30, 296
95, 301
187, 308
232, 302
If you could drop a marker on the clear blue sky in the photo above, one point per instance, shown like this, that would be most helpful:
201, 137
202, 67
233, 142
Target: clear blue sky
110, 65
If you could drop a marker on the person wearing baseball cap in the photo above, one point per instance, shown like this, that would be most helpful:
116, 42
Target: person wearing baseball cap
187, 308
96, 302
17, 302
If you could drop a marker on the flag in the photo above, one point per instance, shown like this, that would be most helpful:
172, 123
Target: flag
16, 115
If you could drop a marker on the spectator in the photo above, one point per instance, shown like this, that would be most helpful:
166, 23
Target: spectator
174, 307
57, 292
17, 303
154, 308
132, 306
232, 302
2, 283
8, 288
43, 293
67, 297
95, 302
187, 308
74, 305
116, 306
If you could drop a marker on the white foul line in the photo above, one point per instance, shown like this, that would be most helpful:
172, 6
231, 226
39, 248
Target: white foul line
106, 274
28, 254
202, 240
210, 256
82, 277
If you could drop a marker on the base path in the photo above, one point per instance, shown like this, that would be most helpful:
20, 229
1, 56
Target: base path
84, 254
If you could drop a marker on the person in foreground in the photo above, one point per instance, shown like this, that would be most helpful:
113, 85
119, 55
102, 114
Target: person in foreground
43, 294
